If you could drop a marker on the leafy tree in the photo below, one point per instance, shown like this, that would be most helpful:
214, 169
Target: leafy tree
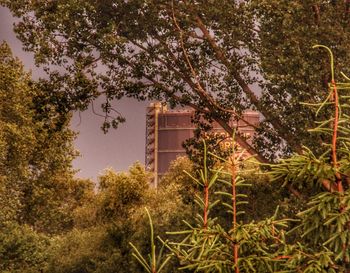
37, 185
176, 177
113, 216
38, 192
219, 57
22, 249
103, 222
83, 250
121, 192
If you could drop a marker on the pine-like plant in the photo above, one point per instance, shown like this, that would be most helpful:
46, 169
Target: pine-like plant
319, 243
325, 224
154, 263
243, 247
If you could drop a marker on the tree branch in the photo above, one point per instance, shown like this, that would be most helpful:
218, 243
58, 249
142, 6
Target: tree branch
246, 89
242, 142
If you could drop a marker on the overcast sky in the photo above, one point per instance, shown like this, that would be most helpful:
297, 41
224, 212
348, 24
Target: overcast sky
119, 148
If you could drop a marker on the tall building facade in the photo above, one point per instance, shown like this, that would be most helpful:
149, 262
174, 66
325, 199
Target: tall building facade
166, 130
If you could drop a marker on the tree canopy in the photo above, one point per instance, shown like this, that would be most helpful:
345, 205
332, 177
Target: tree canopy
36, 177
219, 57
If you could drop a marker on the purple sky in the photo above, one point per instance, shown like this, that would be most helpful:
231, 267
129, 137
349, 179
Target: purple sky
119, 148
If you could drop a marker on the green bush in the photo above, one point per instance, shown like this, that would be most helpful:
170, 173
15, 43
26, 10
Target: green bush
22, 249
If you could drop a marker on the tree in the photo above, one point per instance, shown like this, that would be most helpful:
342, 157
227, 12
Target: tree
121, 192
115, 216
219, 57
325, 223
176, 177
206, 245
22, 249
37, 187
319, 242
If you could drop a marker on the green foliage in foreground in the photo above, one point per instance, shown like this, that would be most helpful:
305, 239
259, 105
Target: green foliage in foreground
37, 187
22, 249
116, 216
320, 240
325, 223
38, 191
53, 223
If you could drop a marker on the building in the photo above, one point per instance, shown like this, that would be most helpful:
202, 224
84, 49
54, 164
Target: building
166, 130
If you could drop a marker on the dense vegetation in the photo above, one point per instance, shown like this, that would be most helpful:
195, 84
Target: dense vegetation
316, 239
208, 55
52, 222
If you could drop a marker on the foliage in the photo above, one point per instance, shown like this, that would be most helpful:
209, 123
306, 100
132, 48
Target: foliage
35, 163
22, 249
265, 195
324, 224
38, 191
208, 246
155, 264
41, 201
81, 251
176, 177
121, 192
215, 143
112, 217
218, 57
320, 241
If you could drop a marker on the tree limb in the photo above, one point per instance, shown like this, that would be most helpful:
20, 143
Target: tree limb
246, 89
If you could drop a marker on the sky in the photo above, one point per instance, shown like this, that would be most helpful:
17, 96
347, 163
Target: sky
119, 148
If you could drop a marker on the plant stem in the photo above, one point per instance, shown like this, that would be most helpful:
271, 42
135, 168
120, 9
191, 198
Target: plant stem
153, 246
206, 205
340, 188
234, 206
335, 135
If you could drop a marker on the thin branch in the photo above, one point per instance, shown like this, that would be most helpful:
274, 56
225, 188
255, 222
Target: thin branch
328, 185
80, 119
94, 112
169, 92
